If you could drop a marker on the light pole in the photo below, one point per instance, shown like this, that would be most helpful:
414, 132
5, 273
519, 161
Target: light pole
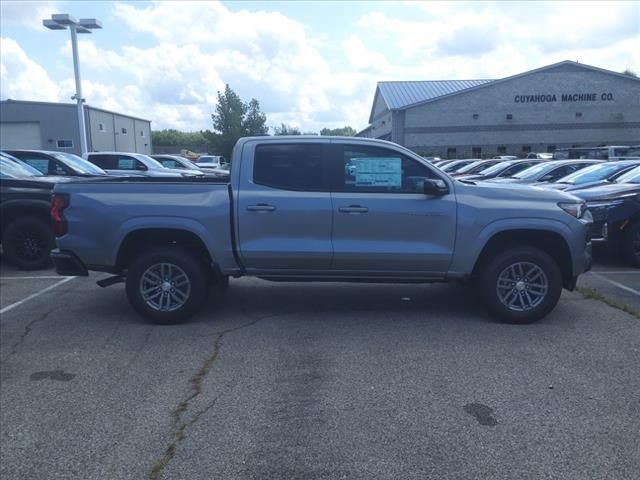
61, 21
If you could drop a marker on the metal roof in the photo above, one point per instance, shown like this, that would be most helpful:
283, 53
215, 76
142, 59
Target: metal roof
402, 94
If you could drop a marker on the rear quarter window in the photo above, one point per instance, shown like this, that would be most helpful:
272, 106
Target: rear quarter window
290, 167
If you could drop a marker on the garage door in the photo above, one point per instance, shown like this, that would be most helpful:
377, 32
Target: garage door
20, 135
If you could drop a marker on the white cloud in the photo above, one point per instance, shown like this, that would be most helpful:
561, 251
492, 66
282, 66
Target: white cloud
191, 49
21, 78
27, 14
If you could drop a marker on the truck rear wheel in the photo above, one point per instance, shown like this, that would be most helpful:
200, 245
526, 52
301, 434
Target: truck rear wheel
520, 285
167, 285
27, 242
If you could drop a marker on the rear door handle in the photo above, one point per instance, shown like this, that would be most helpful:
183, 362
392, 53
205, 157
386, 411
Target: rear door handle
261, 207
353, 209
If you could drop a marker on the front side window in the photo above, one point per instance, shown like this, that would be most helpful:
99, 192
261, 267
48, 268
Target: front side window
40, 164
378, 170
170, 163
290, 166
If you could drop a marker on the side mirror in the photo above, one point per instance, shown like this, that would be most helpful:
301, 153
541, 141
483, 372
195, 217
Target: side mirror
435, 187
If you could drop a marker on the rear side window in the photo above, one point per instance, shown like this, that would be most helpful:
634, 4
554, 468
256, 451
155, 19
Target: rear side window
106, 162
290, 167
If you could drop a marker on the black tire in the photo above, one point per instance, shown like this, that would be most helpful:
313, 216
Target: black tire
631, 245
193, 268
491, 271
27, 243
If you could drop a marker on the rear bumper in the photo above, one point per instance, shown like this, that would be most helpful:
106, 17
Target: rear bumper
68, 264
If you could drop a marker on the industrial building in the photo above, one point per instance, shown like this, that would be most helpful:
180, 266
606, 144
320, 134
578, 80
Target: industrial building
54, 126
561, 105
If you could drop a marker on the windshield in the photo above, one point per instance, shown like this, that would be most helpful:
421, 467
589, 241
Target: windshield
456, 165
531, 172
79, 164
630, 177
498, 167
148, 161
592, 174
9, 169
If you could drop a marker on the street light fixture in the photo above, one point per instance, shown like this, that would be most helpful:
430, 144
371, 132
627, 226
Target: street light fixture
62, 21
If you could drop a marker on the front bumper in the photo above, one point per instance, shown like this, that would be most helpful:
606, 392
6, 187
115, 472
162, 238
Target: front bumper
68, 264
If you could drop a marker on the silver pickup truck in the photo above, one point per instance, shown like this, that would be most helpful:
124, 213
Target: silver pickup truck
322, 209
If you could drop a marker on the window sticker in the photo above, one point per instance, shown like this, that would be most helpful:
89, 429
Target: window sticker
374, 172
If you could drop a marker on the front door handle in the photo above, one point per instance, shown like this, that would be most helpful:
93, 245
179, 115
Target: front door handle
261, 207
353, 209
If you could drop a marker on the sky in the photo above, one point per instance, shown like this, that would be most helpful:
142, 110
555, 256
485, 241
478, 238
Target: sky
310, 64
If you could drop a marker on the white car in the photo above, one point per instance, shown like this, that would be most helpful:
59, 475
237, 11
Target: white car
210, 161
134, 164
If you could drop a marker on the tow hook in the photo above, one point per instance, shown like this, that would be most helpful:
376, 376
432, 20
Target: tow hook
107, 282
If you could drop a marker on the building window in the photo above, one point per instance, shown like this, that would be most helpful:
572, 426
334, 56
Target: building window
452, 153
551, 148
578, 114
502, 150
476, 152
509, 116
476, 116
101, 127
526, 149
64, 143
142, 133
123, 130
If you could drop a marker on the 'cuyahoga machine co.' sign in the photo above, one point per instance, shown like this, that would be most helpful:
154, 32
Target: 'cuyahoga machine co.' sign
564, 97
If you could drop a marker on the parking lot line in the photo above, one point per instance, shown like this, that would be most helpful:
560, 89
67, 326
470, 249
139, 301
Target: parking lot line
34, 295
619, 285
43, 277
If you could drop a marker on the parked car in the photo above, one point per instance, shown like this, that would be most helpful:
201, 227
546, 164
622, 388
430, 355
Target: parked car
134, 164
615, 208
291, 211
457, 165
476, 167
505, 157
546, 172
442, 163
503, 169
57, 163
12, 167
601, 173
25, 226
540, 155
181, 163
210, 161
598, 153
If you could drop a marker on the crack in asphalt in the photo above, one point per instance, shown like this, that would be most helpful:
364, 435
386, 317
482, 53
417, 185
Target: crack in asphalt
179, 426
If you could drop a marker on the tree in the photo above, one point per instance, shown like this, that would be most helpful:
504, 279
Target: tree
339, 132
234, 119
285, 129
175, 138
630, 72
255, 122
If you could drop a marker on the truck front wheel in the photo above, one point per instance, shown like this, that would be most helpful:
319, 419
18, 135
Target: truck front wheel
520, 285
167, 285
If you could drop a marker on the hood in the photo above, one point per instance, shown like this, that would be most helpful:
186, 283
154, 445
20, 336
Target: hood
570, 187
515, 191
610, 191
504, 180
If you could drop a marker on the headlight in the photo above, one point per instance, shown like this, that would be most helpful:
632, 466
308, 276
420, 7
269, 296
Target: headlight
576, 210
606, 204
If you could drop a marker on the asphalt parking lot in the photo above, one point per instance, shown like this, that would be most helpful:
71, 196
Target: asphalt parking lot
317, 381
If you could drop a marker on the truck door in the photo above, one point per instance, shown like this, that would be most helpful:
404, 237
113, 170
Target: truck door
284, 207
382, 220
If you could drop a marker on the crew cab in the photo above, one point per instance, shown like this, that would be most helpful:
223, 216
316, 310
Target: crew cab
322, 209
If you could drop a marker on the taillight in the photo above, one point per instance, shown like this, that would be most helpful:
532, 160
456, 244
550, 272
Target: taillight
59, 201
